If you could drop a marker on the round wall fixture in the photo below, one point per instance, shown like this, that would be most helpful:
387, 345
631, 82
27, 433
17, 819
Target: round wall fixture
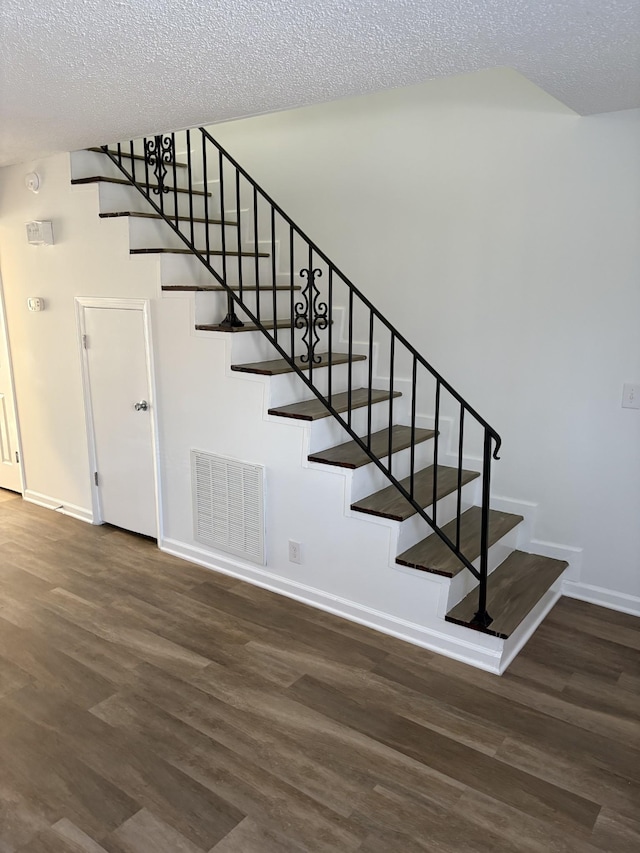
32, 182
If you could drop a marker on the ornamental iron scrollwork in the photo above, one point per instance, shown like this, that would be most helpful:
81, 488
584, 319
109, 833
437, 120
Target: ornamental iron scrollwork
310, 315
158, 152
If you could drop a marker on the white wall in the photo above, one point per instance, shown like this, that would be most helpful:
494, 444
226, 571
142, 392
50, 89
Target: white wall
44, 345
497, 230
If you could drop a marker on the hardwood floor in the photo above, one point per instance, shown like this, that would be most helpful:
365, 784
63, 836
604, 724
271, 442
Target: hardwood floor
150, 706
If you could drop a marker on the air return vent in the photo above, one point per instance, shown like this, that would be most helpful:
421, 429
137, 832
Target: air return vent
228, 499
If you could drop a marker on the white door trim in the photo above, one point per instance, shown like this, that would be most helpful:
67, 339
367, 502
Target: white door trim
144, 306
4, 329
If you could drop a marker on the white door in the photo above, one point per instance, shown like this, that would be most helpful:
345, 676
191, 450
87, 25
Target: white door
117, 362
10, 471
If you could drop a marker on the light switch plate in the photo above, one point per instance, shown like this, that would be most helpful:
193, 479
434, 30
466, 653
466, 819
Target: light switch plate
630, 396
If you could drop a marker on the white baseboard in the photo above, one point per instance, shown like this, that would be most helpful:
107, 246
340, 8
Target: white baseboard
571, 554
63, 508
428, 638
610, 598
523, 633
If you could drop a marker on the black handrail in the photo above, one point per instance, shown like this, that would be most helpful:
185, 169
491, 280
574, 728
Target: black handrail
312, 315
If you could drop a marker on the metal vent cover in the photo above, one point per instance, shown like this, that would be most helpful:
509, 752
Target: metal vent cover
228, 502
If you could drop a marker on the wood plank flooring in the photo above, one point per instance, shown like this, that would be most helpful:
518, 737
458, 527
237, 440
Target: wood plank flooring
150, 706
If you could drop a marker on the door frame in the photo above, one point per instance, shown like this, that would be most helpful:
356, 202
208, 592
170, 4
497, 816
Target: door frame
4, 331
144, 306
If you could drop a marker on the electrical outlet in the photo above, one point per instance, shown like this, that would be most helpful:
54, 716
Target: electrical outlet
630, 396
295, 552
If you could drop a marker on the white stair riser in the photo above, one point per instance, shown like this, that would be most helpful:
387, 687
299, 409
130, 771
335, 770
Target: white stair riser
369, 478
288, 388
462, 584
144, 233
327, 432
211, 307
254, 346
416, 528
115, 198
88, 164
186, 269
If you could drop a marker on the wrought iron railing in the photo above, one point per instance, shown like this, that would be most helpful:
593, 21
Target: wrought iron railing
254, 283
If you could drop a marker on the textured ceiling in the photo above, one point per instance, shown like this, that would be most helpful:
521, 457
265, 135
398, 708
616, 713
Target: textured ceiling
79, 72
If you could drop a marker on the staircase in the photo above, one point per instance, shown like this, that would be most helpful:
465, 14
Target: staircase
420, 455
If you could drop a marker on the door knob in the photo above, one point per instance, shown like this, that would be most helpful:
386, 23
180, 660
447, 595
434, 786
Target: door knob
142, 406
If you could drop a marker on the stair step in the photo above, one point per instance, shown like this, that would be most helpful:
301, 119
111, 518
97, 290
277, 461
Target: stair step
129, 156
432, 555
164, 250
248, 327
280, 365
313, 410
351, 455
389, 503
144, 215
514, 589
97, 179
218, 288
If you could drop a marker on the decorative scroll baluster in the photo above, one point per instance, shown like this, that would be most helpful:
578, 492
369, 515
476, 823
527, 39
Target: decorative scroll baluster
158, 152
311, 315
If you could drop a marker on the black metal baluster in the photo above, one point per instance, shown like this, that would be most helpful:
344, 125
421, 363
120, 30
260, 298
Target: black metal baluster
119, 154
231, 321
159, 177
255, 246
310, 318
239, 232
223, 235
370, 383
273, 274
292, 267
350, 356
146, 165
460, 447
206, 201
391, 378
190, 177
292, 306
330, 338
133, 161
414, 389
292, 315
482, 618
436, 439
176, 208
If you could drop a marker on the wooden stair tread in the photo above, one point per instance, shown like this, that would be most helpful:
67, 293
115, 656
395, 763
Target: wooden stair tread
432, 555
138, 214
280, 365
248, 327
513, 590
163, 250
314, 409
389, 503
130, 156
218, 288
96, 179
351, 455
